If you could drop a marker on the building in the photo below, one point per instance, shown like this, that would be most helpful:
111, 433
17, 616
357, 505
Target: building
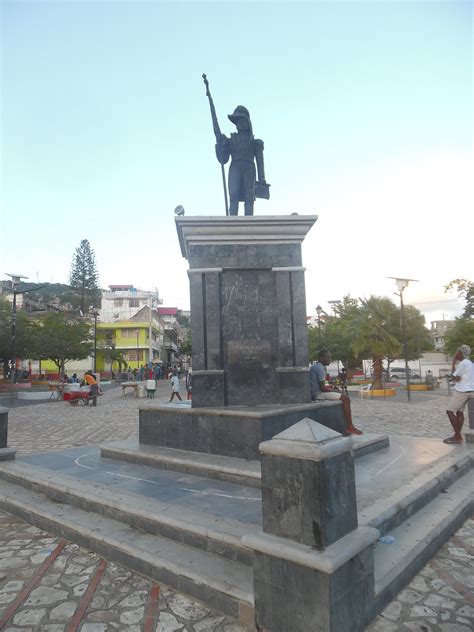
438, 332
172, 334
129, 328
122, 302
138, 341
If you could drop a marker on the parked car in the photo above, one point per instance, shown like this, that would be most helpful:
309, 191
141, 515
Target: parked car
399, 374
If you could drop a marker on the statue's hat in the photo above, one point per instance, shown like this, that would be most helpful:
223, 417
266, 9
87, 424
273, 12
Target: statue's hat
239, 112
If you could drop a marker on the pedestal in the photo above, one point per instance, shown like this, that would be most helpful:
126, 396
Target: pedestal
248, 309
313, 566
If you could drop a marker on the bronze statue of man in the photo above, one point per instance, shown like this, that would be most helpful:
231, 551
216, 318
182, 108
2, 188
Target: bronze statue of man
245, 151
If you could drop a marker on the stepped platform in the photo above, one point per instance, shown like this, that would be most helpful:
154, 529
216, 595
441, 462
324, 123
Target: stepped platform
191, 529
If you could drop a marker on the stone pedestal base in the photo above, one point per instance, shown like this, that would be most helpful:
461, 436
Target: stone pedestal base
298, 589
229, 431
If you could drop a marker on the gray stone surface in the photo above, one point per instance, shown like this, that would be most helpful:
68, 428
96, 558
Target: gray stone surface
247, 290
308, 487
3, 427
229, 431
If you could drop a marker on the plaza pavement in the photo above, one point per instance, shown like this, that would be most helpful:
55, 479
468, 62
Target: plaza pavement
49, 585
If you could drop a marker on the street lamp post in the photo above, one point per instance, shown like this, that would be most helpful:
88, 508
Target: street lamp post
401, 285
319, 310
95, 312
138, 333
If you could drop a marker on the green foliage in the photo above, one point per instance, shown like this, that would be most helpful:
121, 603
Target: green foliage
465, 290
369, 329
187, 346
113, 356
462, 333
60, 339
23, 333
84, 277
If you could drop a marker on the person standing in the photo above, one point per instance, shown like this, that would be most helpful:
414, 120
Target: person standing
175, 387
319, 390
463, 376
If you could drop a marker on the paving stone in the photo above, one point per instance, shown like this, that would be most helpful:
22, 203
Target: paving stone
64, 611
209, 624
454, 627
415, 626
12, 586
168, 623
132, 616
392, 611
94, 627
186, 608
31, 616
438, 601
422, 611
409, 596
44, 595
466, 611
137, 598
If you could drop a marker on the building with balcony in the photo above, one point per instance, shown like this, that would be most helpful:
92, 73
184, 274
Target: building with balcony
138, 340
438, 332
122, 302
172, 333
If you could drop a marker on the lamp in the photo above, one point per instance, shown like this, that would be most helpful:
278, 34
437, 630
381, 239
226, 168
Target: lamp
401, 285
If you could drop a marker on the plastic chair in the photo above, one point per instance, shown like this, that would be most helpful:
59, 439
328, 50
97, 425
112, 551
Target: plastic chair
365, 390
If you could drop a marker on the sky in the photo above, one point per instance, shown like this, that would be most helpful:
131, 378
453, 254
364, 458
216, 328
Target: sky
365, 109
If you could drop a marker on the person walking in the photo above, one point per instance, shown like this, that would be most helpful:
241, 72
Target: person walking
90, 380
175, 388
463, 376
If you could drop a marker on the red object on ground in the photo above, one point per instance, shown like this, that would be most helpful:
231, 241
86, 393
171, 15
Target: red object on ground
70, 397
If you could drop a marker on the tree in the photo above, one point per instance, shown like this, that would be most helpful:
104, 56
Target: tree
186, 347
113, 355
60, 339
84, 277
465, 289
370, 335
23, 334
462, 333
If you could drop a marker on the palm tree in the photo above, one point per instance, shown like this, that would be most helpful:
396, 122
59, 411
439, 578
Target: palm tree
369, 332
112, 355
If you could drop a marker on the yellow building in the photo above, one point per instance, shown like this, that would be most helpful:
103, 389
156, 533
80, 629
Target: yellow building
138, 341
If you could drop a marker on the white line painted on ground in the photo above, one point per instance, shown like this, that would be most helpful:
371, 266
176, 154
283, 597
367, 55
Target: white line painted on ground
146, 480
397, 458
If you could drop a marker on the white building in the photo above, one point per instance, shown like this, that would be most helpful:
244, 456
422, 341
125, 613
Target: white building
123, 302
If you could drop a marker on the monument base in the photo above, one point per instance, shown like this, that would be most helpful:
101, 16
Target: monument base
234, 431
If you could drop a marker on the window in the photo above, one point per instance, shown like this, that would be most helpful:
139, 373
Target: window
128, 333
118, 302
134, 302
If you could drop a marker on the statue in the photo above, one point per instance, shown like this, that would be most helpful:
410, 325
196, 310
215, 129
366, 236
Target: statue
245, 151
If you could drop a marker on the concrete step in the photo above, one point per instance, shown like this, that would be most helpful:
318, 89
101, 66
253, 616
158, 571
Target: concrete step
419, 538
222, 584
224, 468
394, 509
204, 531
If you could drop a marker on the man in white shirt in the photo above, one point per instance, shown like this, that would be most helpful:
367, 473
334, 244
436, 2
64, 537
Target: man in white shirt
463, 375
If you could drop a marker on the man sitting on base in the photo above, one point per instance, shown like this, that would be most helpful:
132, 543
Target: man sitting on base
463, 375
319, 390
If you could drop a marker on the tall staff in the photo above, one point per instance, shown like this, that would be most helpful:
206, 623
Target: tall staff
217, 133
